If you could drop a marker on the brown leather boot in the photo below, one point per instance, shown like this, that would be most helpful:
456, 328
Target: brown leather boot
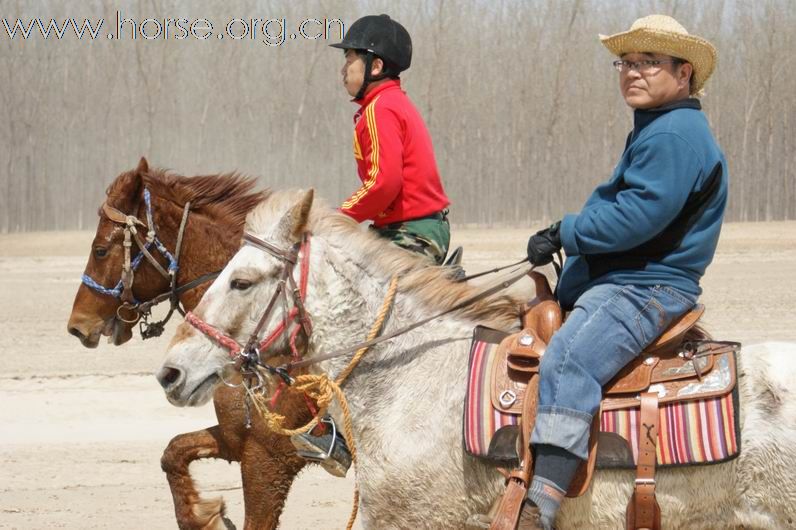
530, 517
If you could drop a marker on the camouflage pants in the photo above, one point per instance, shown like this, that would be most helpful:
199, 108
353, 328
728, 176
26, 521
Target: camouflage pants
429, 236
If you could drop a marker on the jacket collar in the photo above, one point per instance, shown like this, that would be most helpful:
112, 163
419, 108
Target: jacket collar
643, 117
371, 94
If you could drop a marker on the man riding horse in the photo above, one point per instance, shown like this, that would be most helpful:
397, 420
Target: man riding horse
401, 191
635, 252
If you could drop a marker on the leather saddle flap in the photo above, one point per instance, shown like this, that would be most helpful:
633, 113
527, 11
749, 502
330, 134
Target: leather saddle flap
656, 366
674, 379
516, 359
524, 351
635, 377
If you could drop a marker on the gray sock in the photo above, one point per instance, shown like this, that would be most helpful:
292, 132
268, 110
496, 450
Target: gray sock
555, 464
547, 496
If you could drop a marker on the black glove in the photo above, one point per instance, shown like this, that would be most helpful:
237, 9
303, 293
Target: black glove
543, 245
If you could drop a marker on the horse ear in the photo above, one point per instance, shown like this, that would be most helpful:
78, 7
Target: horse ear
143, 166
124, 192
295, 220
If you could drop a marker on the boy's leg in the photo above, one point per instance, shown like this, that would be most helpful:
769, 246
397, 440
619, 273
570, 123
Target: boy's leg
430, 237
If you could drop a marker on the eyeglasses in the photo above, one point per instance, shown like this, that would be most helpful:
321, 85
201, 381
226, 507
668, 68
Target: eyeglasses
642, 67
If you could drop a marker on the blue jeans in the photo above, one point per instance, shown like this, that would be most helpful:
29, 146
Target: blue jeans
608, 327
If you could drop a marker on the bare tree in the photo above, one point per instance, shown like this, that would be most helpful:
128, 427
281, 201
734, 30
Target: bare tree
519, 97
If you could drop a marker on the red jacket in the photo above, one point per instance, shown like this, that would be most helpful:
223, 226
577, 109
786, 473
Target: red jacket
395, 160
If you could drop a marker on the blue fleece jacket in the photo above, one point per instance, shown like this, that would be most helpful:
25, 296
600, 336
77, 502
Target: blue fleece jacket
657, 220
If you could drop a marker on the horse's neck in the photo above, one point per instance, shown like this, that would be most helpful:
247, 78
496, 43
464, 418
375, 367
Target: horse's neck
351, 298
342, 299
207, 244
411, 381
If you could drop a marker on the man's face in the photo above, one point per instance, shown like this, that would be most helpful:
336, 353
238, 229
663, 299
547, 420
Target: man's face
650, 86
353, 72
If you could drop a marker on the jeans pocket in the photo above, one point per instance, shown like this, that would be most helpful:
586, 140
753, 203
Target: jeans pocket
687, 301
652, 320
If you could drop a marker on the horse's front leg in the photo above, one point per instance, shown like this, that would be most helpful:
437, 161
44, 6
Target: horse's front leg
193, 512
268, 467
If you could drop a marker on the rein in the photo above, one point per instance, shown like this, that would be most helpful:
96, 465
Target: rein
123, 290
493, 271
486, 293
250, 352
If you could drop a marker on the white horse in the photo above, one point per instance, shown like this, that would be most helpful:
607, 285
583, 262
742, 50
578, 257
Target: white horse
407, 395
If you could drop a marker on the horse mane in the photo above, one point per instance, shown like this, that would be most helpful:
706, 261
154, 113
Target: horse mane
430, 284
227, 196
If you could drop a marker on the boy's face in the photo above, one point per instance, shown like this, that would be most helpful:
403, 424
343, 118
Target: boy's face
353, 72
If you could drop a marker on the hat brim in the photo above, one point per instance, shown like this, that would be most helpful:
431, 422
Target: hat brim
696, 50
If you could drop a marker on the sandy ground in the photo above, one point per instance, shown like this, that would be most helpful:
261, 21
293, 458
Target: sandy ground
82, 431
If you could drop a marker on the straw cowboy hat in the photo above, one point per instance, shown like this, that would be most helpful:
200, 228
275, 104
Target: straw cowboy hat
663, 34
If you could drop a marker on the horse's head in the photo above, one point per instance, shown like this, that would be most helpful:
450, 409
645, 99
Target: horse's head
95, 313
236, 302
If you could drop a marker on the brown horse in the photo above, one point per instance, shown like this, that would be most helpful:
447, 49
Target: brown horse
218, 207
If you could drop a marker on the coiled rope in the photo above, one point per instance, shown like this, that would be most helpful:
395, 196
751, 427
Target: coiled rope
322, 389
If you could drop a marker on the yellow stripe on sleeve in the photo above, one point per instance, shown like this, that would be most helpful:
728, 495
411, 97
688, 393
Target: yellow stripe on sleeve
370, 116
357, 149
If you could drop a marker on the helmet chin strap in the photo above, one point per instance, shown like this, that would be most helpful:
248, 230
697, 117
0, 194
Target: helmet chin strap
368, 78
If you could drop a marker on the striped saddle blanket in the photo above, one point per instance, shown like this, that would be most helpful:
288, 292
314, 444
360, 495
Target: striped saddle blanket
697, 395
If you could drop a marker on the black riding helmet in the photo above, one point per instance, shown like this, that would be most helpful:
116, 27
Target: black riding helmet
379, 36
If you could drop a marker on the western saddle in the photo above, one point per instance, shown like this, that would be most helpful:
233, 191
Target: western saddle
653, 378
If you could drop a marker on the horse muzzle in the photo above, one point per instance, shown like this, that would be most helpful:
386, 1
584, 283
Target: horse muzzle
182, 391
90, 330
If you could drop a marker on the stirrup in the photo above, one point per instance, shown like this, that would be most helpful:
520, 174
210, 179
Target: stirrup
336, 459
455, 257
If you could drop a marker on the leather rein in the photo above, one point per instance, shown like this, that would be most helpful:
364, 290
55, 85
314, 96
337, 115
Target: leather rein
124, 288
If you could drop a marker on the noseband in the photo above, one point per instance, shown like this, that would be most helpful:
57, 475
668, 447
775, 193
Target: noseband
124, 288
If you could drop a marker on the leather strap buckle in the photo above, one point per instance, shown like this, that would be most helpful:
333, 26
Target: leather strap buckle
645, 481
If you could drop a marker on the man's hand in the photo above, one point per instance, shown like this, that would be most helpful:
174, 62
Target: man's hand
543, 245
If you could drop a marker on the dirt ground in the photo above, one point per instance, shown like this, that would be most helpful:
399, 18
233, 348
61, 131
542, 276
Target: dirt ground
82, 431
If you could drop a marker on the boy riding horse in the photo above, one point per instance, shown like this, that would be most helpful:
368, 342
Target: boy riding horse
401, 191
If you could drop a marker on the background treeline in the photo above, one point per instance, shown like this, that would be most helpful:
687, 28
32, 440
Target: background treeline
520, 98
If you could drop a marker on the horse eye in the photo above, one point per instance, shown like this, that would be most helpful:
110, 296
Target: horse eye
240, 285
100, 252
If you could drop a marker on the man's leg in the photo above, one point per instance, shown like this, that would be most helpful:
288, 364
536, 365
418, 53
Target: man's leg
609, 326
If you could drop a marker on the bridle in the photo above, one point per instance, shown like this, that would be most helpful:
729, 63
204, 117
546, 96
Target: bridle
247, 356
123, 290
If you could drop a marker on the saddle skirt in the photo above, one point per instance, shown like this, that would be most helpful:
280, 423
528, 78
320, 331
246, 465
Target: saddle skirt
693, 377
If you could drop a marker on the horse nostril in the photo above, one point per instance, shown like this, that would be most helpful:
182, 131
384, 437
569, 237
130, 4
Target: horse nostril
168, 377
76, 332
